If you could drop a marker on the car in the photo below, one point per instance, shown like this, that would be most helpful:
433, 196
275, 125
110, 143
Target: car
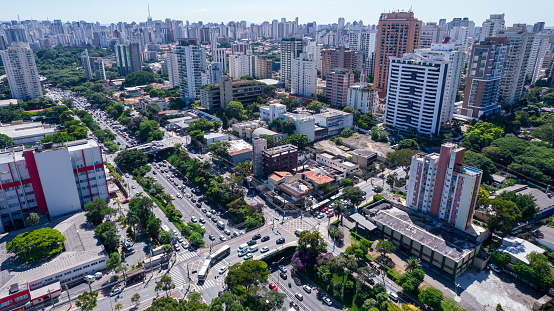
371, 281
298, 231
243, 252
227, 232
89, 278
204, 210
179, 196
202, 220
203, 227
264, 249
299, 296
257, 236
235, 233
241, 232
251, 242
212, 237
222, 238
213, 211
185, 245
188, 195
177, 248
98, 275
494, 268
248, 256
193, 200
115, 291
330, 214
283, 275
393, 296
320, 215
324, 209
125, 201
209, 215
193, 219
294, 305
127, 246
214, 220
272, 286
328, 301
134, 308
307, 289
222, 270
280, 241
265, 238
282, 268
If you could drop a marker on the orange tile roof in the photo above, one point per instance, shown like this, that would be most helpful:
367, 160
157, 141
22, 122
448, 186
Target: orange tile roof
276, 177
318, 179
239, 152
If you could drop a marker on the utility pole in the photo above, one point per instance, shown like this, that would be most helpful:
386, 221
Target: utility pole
68, 296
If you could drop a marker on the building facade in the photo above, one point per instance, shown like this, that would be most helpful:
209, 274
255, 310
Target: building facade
215, 96
303, 76
441, 186
128, 58
265, 67
190, 62
21, 70
290, 49
93, 66
338, 82
363, 98
280, 158
340, 57
173, 69
492, 26
431, 33
243, 65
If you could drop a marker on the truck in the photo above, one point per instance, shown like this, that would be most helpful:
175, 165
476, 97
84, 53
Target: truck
220, 224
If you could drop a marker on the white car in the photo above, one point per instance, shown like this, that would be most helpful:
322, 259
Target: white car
222, 270
328, 301
264, 249
202, 220
248, 256
193, 219
179, 196
115, 291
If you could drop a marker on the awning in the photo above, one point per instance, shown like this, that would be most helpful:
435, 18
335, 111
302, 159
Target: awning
363, 222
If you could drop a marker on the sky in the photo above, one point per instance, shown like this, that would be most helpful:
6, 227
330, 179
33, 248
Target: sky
257, 11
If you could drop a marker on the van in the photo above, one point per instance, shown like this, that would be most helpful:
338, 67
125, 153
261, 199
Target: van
243, 247
220, 224
393, 296
298, 231
253, 248
89, 278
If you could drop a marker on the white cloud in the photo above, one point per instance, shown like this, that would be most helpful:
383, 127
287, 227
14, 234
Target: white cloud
200, 11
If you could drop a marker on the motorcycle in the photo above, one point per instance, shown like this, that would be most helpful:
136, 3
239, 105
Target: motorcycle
290, 285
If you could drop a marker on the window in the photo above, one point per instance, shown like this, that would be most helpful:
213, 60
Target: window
6, 303
17, 299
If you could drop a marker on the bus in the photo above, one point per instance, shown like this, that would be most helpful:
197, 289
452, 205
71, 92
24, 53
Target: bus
220, 253
204, 270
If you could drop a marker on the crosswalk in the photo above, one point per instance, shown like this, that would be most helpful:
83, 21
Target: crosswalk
177, 276
185, 255
210, 283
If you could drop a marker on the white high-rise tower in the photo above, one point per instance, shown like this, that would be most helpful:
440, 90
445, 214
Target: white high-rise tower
21, 69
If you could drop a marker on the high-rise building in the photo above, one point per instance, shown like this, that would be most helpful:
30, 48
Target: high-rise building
93, 66
21, 69
485, 70
398, 34
539, 47
303, 76
275, 29
341, 22
520, 42
363, 98
190, 63
340, 57
128, 58
460, 36
220, 56
460, 22
538, 27
364, 42
290, 49
258, 145
442, 187
241, 48
243, 65
265, 67
314, 49
15, 35
415, 93
492, 26
173, 69
431, 33
336, 90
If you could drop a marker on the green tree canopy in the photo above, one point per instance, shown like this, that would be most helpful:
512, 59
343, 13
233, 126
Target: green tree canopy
37, 244
312, 243
247, 274
432, 297
481, 135
353, 194
316, 106
401, 157
408, 144
107, 233
139, 78
219, 148
114, 261
235, 110
288, 126
503, 215
130, 159
87, 300
97, 210
5, 141
481, 162
299, 140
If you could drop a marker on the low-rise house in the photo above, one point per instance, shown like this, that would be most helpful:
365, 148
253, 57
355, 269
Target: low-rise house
212, 137
518, 249
239, 151
364, 157
338, 162
544, 235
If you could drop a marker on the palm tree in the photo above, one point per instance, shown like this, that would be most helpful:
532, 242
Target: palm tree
339, 209
33, 219
413, 263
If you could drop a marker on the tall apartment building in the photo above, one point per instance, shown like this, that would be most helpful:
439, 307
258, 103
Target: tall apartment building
538, 26
290, 49
492, 26
442, 187
539, 47
460, 36
243, 65
363, 98
303, 76
364, 42
520, 42
128, 58
336, 90
431, 33
452, 54
93, 66
219, 56
190, 60
415, 93
340, 57
265, 67
280, 158
55, 179
241, 48
484, 76
212, 73
314, 49
398, 34
173, 69
21, 69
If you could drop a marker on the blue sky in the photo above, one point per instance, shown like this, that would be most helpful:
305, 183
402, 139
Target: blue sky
256, 11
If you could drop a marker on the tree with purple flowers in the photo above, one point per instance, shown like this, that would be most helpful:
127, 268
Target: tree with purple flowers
310, 246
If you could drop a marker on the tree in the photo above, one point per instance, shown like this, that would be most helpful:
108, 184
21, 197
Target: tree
316, 106
312, 243
525, 203
107, 233
219, 148
33, 219
276, 125
378, 189
408, 144
118, 306
401, 157
139, 78
353, 194
500, 259
165, 237
5, 141
481, 135
165, 284
97, 211
247, 274
299, 140
87, 300
391, 179
413, 263
503, 215
432, 297
385, 247
198, 136
130, 159
288, 126
355, 250
153, 109
481, 162
369, 304
37, 244
273, 300
153, 227
378, 134
346, 182
346, 133
114, 261
235, 110
135, 298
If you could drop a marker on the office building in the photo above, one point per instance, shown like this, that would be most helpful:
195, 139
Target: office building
492, 26
442, 187
55, 179
431, 33
128, 58
93, 66
27, 133
334, 121
415, 93
304, 123
303, 76
173, 69
290, 49
259, 145
243, 65
340, 57
363, 98
265, 67
21, 69
280, 158
190, 61
15, 35
398, 34
338, 162
520, 42
485, 70
338, 82
215, 96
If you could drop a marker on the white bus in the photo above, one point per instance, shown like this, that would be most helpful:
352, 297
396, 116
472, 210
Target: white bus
204, 270
220, 253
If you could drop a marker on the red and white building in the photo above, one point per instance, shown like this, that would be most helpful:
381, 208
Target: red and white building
442, 187
50, 179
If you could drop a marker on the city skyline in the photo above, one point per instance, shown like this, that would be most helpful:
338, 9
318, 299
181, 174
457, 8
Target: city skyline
257, 12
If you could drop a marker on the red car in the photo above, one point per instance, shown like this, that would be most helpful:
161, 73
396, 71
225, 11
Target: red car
330, 214
125, 201
272, 286
324, 209
184, 182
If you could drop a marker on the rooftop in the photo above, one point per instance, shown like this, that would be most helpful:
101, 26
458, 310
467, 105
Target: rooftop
545, 233
544, 201
296, 188
282, 148
263, 131
518, 248
363, 152
330, 112
7, 102
215, 135
238, 145
20, 130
